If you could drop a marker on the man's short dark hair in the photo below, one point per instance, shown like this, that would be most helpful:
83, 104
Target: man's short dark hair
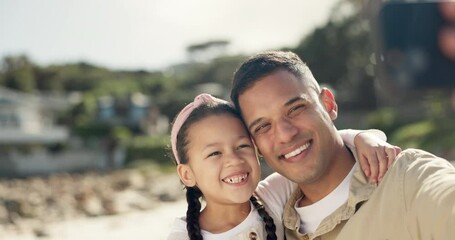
263, 64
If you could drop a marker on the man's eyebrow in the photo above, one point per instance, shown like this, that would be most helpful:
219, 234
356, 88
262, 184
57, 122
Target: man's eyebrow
254, 123
296, 99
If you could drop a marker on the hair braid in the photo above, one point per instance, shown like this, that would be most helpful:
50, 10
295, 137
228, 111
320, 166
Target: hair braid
192, 214
268, 221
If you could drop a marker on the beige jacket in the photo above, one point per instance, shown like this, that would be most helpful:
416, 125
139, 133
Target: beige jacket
415, 200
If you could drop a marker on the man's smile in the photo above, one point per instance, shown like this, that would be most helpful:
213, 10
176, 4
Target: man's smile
295, 152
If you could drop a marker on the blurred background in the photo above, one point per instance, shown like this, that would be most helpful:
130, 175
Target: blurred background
88, 89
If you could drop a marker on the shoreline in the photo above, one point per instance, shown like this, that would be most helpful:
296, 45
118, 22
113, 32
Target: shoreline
149, 224
47, 207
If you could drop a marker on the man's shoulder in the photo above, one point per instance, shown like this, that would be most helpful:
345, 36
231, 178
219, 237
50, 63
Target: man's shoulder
413, 154
414, 159
414, 151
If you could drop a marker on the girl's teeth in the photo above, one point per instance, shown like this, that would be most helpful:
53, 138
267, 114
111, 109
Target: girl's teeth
297, 151
236, 179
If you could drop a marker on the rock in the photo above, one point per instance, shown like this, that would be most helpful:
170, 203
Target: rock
3, 214
132, 200
168, 188
40, 232
166, 197
43, 200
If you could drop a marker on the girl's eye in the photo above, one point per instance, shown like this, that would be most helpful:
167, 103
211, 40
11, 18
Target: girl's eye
295, 110
244, 146
216, 153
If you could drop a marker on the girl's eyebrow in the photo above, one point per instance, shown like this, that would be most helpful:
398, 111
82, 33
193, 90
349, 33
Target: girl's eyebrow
210, 145
214, 144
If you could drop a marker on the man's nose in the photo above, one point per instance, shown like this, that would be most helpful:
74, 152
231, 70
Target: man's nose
285, 130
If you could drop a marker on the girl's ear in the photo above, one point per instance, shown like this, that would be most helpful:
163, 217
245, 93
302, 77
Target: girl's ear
329, 102
186, 175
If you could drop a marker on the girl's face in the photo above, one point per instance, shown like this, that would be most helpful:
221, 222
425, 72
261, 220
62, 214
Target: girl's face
222, 160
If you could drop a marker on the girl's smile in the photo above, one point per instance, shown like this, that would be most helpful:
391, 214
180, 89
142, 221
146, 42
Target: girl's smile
223, 163
237, 179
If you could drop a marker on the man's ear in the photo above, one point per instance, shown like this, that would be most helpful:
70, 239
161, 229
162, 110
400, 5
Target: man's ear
329, 102
186, 175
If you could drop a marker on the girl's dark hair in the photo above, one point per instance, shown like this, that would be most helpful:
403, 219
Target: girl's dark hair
268, 221
192, 213
193, 194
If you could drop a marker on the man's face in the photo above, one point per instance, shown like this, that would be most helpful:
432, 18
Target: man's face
291, 123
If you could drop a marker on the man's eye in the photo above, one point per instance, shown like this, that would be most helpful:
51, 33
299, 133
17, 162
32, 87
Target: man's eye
296, 110
261, 128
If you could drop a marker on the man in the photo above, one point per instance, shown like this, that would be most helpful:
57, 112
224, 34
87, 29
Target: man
291, 120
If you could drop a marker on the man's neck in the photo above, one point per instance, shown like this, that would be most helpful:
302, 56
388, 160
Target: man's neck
336, 172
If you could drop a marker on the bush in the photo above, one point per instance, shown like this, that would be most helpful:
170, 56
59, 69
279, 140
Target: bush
433, 135
385, 119
413, 135
92, 130
149, 148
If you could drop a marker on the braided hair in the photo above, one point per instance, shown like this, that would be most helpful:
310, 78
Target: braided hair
193, 194
192, 214
268, 221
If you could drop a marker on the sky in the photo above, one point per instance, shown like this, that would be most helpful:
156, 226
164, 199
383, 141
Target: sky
150, 34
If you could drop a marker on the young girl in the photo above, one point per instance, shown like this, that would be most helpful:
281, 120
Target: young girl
216, 160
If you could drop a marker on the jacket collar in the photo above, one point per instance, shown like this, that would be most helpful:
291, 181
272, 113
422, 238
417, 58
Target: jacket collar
360, 190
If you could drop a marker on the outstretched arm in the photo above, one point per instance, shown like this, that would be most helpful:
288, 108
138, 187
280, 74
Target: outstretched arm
429, 194
375, 155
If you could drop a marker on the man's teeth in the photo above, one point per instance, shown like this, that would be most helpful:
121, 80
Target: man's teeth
297, 151
236, 179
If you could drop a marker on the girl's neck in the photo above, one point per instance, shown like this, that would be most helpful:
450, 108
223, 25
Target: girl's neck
216, 218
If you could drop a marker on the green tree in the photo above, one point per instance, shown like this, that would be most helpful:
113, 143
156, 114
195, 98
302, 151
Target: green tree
19, 73
339, 54
47, 80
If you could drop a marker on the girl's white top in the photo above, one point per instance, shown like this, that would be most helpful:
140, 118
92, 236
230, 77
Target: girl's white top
273, 191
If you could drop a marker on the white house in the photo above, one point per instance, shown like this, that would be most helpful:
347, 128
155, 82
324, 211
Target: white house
29, 119
32, 142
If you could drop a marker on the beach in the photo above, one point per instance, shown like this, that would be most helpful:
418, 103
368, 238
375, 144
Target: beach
121, 204
150, 224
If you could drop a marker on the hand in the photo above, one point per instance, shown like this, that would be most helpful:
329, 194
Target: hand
375, 155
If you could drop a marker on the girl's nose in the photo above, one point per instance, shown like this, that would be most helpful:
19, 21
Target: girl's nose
233, 159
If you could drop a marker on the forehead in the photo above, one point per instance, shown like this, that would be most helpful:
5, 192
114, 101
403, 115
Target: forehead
275, 89
216, 128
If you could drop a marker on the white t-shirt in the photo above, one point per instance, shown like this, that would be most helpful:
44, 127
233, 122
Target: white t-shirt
251, 225
273, 191
311, 216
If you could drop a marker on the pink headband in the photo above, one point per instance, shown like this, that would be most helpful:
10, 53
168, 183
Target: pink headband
200, 99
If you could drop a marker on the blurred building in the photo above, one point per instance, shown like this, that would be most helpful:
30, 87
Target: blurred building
33, 141
26, 118
136, 111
